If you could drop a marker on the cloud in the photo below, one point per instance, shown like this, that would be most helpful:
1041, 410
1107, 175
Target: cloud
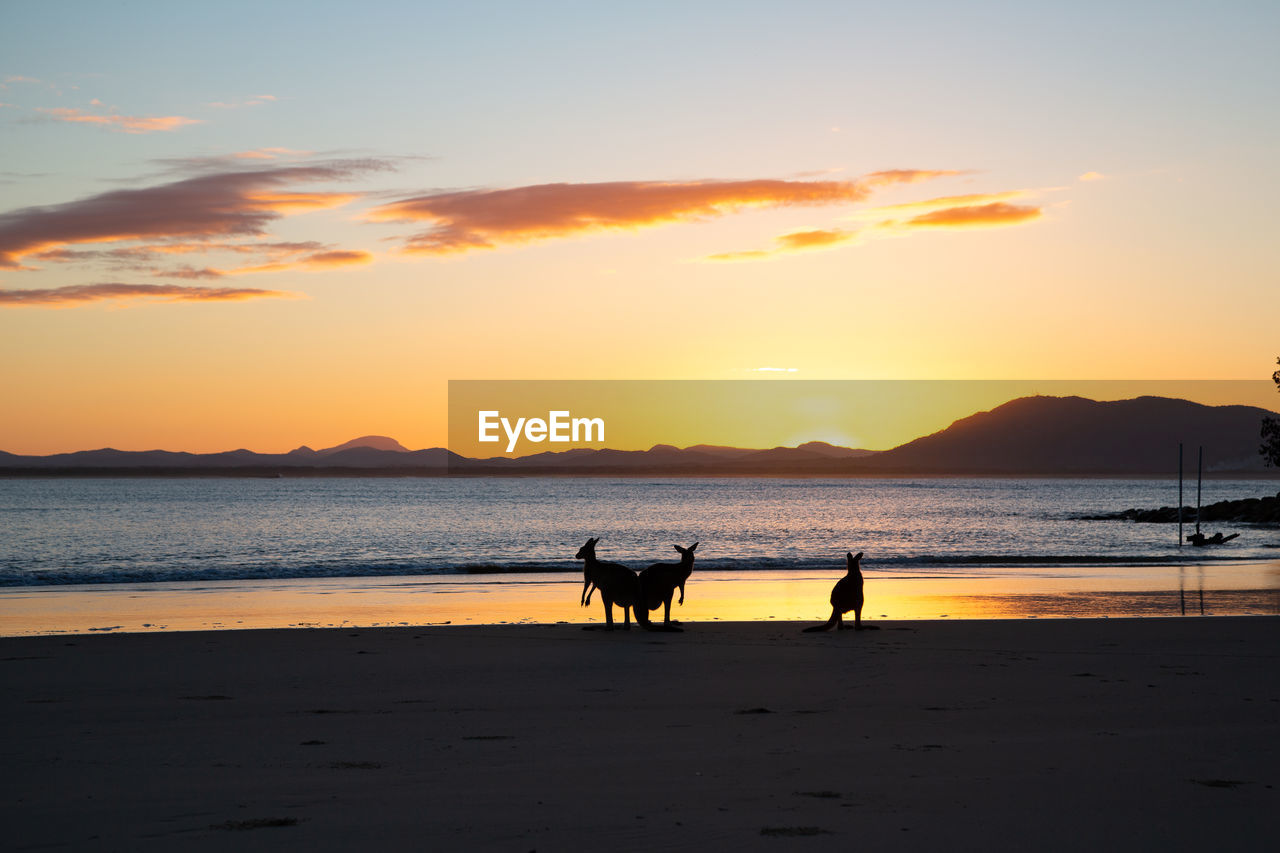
977, 210
796, 241
1092, 176
270, 153
81, 294
318, 261
942, 203
274, 257
747, 255
251, 101
815, 239
191, 273
909, 176
991, 215
485, 219
236, 160
123, 124
818, 173
213, 207
148, 255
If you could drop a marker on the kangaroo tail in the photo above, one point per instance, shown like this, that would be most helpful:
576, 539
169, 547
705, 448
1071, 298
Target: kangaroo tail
830, 623
641, 612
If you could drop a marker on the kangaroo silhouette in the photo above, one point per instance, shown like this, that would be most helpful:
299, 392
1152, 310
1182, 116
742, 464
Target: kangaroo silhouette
846, 595
658, 584
617, 585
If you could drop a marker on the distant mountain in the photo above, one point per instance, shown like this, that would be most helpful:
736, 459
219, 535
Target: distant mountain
1073, 435
370, 454
1026, 436
710, 460
375, 442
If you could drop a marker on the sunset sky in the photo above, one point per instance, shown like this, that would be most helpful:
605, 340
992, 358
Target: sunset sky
264, 225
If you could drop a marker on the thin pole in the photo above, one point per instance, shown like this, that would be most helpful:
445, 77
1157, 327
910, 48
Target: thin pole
1199, 477
1180, 498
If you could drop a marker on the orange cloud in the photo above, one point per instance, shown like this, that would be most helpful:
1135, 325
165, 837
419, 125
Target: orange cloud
81, 294
318, 261
298, 202
977, 216
748, 255
1092, 176
945, 202
123, 124
814, 239
797, 241
209, 207
486, 219
909, 176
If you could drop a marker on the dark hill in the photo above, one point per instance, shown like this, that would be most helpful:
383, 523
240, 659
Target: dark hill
1073, 435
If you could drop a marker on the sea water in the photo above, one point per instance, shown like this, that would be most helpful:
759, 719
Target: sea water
130, 530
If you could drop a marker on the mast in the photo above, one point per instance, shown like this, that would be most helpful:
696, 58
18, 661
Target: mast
1199, 477
1180, 495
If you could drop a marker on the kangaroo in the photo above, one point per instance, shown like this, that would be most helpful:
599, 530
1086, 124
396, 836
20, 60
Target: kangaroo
617, 585
846, 595
658, 584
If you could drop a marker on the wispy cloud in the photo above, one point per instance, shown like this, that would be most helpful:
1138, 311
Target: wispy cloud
319, 261
147, 255
207, 208
251, 101
486, 219
940, 203
796, 241
975, 210
117, 122
992, 215
909, 176
82, 294
233, 161
1092, 176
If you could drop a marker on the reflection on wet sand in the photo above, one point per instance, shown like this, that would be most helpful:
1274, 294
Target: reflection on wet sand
1215, 590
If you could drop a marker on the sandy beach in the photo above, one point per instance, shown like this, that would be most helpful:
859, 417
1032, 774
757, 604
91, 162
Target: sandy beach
1059, 734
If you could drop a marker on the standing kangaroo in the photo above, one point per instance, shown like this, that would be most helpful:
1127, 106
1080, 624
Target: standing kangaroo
846, 595
617, 585
658, 584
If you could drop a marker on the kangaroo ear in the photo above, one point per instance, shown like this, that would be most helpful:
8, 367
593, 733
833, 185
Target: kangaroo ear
693, 547
857, 556
678, 548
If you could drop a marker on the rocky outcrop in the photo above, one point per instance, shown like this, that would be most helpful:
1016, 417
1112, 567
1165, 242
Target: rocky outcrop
1262, 511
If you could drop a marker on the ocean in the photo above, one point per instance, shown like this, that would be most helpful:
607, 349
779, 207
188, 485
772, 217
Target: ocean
132, 530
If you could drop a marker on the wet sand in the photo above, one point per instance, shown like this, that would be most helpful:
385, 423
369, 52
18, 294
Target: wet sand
1057, 734
1245, 589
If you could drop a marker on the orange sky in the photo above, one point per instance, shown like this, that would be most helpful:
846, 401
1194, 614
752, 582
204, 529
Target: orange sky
306, 244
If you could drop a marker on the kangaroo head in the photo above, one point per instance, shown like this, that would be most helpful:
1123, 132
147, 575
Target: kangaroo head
854, 561
588, 550
686, 553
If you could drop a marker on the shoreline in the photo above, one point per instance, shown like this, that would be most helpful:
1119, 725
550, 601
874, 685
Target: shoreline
713, 597
973, 734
